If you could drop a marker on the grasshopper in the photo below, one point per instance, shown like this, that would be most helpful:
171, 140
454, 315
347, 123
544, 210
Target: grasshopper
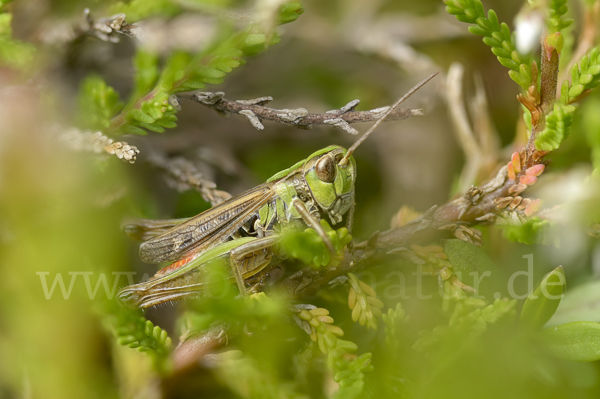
246, 228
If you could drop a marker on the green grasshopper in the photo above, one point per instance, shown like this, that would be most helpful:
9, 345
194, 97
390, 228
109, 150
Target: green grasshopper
246, 228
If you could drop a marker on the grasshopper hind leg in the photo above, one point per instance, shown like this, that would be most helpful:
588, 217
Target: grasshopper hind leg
266, 278
249, 259
131, 296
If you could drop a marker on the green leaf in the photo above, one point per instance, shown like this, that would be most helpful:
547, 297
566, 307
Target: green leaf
556, 10
585, 75
534, 231
495, 35
5, 20
579, 304
148, 106
394, 321
468, 261
132, 329
590, 121
542, 302
139, 115
192, 84
15, 53
558, 125
98, 103
308, 247
155, 127
137, 10
579, 340
576, 90
174, 70
471, 317
166, 123
519, 79
146, 75
289, 12
254, 39
352, 376
130, 129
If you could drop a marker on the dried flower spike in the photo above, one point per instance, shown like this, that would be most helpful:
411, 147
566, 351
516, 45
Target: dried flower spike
123, 151
98, 143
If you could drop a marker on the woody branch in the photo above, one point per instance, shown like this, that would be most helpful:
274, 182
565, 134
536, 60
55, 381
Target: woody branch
255, 112
498, 198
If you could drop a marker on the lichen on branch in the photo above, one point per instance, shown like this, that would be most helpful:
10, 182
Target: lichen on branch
255, 111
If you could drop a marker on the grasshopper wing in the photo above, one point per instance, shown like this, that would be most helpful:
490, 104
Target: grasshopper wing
145, 229
207, 229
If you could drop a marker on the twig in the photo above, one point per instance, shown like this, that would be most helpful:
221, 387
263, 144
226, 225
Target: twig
449, 219
462, 127
365, 30
432, 226
183, 175
540, 102
488, 139
255, 111
549, 80
479, 143
107, 29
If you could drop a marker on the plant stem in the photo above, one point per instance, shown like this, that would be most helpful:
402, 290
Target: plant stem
120, 120
548, 86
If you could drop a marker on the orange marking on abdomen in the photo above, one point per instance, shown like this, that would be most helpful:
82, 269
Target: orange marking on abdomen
176, 265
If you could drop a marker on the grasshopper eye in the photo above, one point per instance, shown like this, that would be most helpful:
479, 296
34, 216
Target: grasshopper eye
325, 169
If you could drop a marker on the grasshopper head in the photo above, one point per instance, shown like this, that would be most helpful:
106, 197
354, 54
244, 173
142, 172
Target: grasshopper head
331, 184
331, 172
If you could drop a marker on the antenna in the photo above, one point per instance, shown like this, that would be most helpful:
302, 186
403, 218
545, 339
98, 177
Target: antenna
351, 150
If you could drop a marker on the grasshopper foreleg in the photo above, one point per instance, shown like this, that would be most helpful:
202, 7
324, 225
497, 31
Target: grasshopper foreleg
350, 219
314, 223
